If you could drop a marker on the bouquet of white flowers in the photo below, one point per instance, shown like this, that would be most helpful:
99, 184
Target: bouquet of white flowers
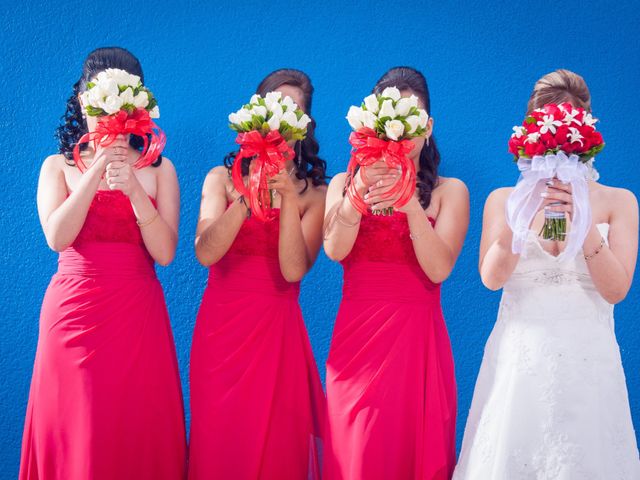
383, 126
124, 106
264, 127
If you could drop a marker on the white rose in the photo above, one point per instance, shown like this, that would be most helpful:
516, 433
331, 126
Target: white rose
276, 108
259, 110
304, 121
134, 80
141, 100
109, 87
154, 112
289, 103
371, 103
369, 119
354, 117
85, 99
240, 116
392, 93
127, 96
414, 122
403, 106
290, 118
423, 118
387, 110
112, 104
274, 122
254, 99
101, 77
271, 98
394, 129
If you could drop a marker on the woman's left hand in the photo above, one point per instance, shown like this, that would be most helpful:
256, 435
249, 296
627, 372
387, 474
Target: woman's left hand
120, 176
283, 184
558, 192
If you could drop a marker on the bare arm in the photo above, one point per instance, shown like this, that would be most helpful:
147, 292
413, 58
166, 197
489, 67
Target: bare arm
437, 248
613, 266
218, 225
497, 262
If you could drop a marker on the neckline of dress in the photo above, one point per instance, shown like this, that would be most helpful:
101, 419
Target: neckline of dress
534, 234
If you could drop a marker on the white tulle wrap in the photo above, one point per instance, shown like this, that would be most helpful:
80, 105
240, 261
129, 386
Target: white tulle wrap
525, 200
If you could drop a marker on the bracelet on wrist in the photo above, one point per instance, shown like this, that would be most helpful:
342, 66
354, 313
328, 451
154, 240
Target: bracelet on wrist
147, 222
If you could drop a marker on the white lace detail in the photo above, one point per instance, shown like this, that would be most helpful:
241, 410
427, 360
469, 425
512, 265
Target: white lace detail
550, 401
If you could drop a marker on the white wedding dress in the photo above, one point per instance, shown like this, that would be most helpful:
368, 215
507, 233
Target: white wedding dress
550, 401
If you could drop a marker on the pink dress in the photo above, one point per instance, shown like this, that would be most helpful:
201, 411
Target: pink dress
390, 379
257, 405
105, 400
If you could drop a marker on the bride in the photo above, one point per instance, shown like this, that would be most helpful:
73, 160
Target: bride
551, 401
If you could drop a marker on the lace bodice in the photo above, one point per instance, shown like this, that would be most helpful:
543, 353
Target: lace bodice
383, 239
110, 219
258, 238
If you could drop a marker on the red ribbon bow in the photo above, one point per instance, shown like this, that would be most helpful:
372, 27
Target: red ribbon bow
369, 149
137, 123
269, 153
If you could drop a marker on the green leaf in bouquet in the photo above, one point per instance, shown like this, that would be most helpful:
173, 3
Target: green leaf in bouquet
247, 125
530, 120
93, 111
90, 85
152, 102
299, 114
122, 88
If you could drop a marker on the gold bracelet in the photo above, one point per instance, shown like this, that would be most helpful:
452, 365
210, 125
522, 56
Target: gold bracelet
598, 250
148, 222
341, 220
415, 237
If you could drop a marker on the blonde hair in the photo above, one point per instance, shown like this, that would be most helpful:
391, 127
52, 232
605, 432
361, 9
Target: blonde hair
558, 87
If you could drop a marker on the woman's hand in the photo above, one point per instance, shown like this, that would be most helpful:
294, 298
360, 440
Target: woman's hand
377, 195
115, 152
557, 198
120, 176
283, 184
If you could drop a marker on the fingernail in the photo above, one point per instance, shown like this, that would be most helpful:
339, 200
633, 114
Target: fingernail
544, 194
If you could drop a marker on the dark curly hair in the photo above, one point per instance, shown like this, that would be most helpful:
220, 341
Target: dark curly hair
309, 166
407, 78
73, 125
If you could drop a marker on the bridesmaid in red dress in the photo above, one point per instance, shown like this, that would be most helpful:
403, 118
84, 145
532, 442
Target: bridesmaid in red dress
105, 400
390, 379
257, 405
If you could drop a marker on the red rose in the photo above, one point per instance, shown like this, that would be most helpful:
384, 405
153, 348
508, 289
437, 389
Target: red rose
561, 134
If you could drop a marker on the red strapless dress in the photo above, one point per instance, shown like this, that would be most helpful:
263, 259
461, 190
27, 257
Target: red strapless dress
257, 405
390, 379
105, 400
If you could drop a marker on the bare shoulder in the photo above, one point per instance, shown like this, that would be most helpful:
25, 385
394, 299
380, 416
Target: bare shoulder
617, 198
54, 163
217, 176
166, 166
451, 185
338, 181
498, 196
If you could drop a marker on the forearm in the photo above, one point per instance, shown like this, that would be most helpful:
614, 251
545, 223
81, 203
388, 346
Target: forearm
214, 242
294, 257
64, 223
158, 236
608, 274
498, 263
341, 229
434, 256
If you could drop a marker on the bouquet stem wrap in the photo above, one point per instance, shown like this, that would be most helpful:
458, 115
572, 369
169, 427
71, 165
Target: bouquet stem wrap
269, 153
369, 149
525, 200
137, 123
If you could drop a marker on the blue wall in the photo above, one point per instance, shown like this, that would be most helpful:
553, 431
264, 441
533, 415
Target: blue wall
481, 60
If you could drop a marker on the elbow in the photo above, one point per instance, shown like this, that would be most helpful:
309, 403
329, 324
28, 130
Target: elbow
165, 260
491, 283
616, 296
334, 253
57, 244
204, 259
439, 276
293, 275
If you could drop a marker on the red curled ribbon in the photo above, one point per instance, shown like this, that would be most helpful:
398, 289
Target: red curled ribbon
137, 123
269, 154
369, 149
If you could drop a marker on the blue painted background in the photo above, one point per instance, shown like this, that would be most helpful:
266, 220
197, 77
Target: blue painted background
202, 62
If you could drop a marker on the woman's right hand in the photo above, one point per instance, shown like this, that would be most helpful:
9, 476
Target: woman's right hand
114, 152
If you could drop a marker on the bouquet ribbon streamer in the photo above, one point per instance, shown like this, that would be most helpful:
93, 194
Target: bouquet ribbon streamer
369, 149
122, 123
269, 154
525, 200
